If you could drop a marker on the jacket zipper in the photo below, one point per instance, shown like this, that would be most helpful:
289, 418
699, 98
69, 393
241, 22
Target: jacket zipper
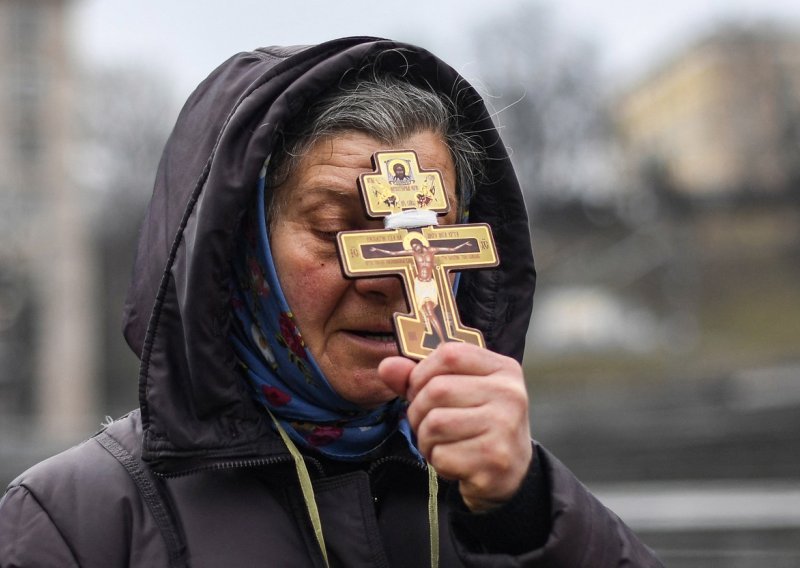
238, 464
286, 458
396, 459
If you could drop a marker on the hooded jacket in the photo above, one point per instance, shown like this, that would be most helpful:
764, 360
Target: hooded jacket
196, 476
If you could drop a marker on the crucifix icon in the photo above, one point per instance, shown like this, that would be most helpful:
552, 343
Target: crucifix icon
422, 256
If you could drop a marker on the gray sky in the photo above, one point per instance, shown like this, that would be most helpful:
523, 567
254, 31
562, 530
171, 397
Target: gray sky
185, 39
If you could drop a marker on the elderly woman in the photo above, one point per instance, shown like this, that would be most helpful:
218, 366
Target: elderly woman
278, 426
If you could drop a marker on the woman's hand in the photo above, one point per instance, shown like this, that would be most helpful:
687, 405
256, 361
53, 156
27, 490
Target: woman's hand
469, 410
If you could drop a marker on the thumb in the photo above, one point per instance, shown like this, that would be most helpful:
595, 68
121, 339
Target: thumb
394, 372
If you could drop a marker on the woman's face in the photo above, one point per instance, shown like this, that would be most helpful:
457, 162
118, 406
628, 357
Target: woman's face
346, 324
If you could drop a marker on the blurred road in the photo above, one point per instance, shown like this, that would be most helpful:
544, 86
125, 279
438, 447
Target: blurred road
706, 471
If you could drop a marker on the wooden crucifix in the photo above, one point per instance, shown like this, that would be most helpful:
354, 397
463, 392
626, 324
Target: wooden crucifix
423, 256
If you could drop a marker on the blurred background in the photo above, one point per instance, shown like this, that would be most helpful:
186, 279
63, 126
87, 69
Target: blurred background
659, 148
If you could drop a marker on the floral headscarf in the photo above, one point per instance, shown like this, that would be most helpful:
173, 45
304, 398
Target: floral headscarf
284, 375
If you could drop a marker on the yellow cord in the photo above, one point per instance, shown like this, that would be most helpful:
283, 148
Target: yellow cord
433, 515
305, 487
313, 511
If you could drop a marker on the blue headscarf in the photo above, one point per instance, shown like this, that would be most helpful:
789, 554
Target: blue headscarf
284, 375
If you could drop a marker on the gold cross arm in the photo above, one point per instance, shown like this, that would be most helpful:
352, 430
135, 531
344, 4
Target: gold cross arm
423, 258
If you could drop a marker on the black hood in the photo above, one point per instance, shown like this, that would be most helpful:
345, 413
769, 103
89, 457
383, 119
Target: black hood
177, 315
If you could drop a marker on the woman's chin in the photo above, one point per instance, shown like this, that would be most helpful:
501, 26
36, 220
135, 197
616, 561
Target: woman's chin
364, 388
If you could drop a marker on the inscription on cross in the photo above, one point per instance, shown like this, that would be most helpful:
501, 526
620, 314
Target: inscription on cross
422, 256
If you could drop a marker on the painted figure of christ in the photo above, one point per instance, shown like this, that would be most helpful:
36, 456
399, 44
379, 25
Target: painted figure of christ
426, 292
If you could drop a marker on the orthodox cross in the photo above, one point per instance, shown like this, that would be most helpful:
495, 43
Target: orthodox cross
414, 248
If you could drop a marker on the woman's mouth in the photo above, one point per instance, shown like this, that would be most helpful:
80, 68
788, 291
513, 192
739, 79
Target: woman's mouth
382, 337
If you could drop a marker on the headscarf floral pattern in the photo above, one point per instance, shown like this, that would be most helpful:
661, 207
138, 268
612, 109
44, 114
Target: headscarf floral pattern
284, 375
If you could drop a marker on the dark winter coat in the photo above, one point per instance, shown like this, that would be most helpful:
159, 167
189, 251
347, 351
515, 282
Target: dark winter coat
197, 477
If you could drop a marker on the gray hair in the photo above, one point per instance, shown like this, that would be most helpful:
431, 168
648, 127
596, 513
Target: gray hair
389, 109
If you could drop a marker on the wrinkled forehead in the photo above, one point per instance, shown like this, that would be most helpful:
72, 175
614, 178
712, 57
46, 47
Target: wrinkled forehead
333, 164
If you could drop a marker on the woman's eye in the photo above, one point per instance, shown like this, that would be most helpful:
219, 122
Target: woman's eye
327, 235
328, 232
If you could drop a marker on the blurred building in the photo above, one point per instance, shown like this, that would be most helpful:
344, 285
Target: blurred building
46, 280
694, 272
721, 117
